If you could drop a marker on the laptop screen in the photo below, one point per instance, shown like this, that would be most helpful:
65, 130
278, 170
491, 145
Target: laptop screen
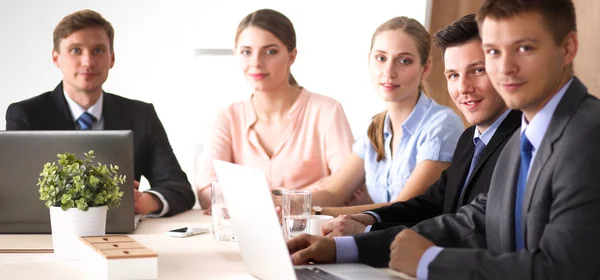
24, 154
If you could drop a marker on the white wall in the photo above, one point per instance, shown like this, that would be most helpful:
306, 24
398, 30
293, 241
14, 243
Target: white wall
155, 60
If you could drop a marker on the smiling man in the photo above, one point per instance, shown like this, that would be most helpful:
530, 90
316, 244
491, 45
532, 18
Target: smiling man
471, 169
477, 150
84, 53
540, 218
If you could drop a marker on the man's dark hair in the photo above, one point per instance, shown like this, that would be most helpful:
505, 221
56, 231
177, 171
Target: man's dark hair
459, 32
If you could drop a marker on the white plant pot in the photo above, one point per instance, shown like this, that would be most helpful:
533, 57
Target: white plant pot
68, 226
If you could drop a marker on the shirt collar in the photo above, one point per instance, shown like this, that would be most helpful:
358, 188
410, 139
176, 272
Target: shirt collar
250, 113
536, 128
411, 124
487, 135
76, 110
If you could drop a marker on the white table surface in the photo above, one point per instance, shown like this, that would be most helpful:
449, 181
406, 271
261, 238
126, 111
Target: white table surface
194, 257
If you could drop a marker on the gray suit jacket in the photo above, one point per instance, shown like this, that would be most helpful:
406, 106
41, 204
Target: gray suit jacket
561, 211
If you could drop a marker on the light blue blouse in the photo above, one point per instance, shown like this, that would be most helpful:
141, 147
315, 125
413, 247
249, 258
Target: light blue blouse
430, 132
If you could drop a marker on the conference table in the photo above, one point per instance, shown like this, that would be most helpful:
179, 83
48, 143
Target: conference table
193, 257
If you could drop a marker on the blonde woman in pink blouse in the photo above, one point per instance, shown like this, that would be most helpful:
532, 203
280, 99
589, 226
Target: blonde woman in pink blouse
295, 136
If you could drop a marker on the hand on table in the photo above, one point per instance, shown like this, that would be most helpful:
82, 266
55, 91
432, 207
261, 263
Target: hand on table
345, 225
406, 251
144, 203
311, 248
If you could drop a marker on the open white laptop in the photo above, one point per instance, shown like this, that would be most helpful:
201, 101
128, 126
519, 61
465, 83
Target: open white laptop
260, 235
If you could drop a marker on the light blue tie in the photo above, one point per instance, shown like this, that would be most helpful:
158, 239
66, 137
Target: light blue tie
85, 121
479, 147
526, 149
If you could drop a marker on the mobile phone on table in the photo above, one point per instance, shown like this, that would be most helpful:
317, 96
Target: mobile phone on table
185, 231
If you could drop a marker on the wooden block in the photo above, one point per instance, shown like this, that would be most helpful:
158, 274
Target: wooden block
118, 245
120, 257
129, 253
107, 239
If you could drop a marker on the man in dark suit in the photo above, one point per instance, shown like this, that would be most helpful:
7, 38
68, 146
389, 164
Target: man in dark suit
540, 218
83, 51
466, 178
477, 151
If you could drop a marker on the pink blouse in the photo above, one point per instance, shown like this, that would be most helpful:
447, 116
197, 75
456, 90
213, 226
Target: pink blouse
314, 146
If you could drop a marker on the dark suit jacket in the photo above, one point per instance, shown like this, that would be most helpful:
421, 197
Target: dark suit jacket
153, 155
444, 196
560, 208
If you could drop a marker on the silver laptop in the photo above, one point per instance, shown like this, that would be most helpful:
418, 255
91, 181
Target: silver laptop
260, 235
23, 156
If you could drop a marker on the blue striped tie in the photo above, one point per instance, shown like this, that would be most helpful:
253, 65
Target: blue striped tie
526, 149
479, 147
85, 121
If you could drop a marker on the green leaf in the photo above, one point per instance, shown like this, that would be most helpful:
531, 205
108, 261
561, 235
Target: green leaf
76, 182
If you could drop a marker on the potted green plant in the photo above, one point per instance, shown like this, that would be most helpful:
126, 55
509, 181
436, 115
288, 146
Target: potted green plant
78, 194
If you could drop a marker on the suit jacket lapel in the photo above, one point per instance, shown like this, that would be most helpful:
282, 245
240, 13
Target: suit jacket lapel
113, 114
565, 109
505, 130
505, 175
63, 119
454, 188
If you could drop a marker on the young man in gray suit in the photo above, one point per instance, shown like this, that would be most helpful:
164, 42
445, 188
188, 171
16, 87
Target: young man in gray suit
540, 218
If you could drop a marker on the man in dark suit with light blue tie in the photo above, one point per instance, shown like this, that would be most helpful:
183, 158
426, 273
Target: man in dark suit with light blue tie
540, 218
83, 51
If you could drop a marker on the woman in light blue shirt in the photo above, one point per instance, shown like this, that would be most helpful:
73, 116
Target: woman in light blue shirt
408, 145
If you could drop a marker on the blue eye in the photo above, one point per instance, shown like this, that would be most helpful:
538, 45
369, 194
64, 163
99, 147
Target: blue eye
451, 76
98, 50
75, 50
478, 71
525, 48
244, 52
492, 52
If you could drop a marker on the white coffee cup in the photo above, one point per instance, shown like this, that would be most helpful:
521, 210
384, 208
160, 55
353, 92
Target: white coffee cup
316, 221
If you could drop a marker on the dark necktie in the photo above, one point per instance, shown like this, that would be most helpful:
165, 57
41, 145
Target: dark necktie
85, 121
526, 149
479, 147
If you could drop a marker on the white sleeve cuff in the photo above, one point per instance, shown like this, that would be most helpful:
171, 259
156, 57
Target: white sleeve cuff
165, 208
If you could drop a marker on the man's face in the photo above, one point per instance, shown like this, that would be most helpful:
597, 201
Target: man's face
524, 62
469, 85
84, 58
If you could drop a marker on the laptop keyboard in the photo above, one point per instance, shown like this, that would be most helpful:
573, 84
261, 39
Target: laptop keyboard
314, 274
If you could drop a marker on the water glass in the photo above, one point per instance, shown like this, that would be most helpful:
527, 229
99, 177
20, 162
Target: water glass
222, 227
296, 212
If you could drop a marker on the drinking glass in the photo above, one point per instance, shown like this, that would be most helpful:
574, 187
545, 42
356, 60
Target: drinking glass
295, 212
222, 227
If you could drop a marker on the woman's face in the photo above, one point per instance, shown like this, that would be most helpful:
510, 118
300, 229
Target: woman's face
264, 59
395, 66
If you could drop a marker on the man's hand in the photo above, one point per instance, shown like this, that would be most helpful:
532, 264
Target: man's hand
136, 193
311, 248
144, 203
406, 251
347, 225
